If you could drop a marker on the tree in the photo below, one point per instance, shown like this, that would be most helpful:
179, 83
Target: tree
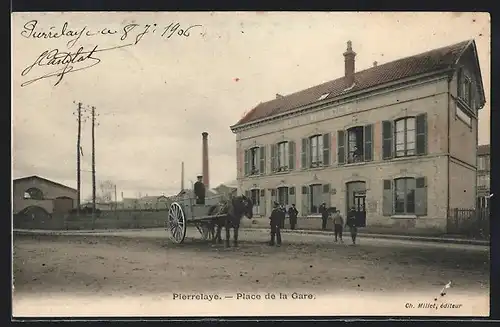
106, 192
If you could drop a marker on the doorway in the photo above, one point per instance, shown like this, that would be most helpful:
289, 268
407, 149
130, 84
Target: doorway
316, 198
255, 197
356, 198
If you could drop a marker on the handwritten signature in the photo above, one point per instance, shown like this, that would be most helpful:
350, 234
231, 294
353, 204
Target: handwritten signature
67, 61
31, 30
72, 61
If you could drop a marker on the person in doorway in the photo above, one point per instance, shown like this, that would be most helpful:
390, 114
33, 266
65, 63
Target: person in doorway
324, 215
283, 209
338, 226
351, 222
277, 216
199, 191
292, 215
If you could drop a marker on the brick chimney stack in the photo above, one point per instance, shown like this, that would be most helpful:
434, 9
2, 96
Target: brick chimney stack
349, 57
204, 156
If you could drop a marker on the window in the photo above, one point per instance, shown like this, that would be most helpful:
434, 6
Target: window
463, 116
355, 144
283, 156
481, 163
405, 196
313, 196
405, 135
33, 194
255, 161
466, 90
323, 96
316, 151
283, 195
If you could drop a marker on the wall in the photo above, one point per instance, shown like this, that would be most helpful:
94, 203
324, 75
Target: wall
50, 192
433, 168
462, 185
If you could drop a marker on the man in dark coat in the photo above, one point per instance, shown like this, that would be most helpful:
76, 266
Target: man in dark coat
199, 191
292, 215
283, 208
351, 222
277, 216
324, 215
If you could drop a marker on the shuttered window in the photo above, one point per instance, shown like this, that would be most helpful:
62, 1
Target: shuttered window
341, 147
291, 152
368, 144
386, 140
304, 153
262, 160
421, 197
421, 134
326, 149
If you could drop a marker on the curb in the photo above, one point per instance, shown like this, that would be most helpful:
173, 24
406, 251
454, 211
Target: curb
388, 236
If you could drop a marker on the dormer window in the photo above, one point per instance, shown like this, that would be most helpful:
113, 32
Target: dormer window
323, 96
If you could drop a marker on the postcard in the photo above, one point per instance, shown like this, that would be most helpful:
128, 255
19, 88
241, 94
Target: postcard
211, 164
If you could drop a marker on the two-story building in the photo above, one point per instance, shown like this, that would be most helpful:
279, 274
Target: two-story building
483, 176
397, 141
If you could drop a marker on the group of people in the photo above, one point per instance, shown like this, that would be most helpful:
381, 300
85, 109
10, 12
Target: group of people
278, 216
277, 220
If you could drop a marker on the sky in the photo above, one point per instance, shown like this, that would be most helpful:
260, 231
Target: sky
155, 96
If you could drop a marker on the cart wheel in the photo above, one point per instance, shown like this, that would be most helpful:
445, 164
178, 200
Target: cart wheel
176, 223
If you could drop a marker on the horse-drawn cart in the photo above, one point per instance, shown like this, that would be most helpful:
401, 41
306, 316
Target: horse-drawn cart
184, 213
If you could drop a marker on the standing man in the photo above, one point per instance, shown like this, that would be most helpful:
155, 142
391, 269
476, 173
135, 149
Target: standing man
338, 226
276, 217
283, 209
292, 215
324, 215
351, 222
199, 191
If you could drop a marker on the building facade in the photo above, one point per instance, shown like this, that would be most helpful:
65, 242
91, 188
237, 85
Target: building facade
38, 192
396, 141
483, 176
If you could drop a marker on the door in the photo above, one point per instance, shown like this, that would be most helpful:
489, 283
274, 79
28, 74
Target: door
359, 206
255, 197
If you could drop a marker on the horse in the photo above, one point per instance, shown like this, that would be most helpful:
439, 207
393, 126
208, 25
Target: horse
231, 211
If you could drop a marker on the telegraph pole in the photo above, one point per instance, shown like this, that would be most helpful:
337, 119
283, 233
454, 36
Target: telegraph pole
93, 164
116, 200
78, 155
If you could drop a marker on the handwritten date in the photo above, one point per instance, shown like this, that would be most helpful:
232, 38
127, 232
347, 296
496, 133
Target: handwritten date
32, 30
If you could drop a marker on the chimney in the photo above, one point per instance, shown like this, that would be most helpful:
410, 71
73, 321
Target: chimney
349, 56
204, 156
375, 64
278, 96
182, 176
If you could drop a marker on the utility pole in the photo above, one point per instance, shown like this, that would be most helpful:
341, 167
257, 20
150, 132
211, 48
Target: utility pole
78, 115
116, 200
93, 165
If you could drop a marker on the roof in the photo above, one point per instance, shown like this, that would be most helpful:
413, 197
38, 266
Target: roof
422, 63
152, 197
17, 180
483, 149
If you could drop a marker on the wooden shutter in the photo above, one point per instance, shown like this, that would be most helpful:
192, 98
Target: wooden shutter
341, 147
291, 196
273, 157
421, 130
262, 168
421, 197
326, 149
460, 82
387, 137
262, 203
305, 153
305, 200
291, 153
368, 143
247, 162
326, 195
387, 198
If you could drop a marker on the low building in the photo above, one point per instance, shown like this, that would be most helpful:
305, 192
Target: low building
39, 192
483, 176
396, 141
